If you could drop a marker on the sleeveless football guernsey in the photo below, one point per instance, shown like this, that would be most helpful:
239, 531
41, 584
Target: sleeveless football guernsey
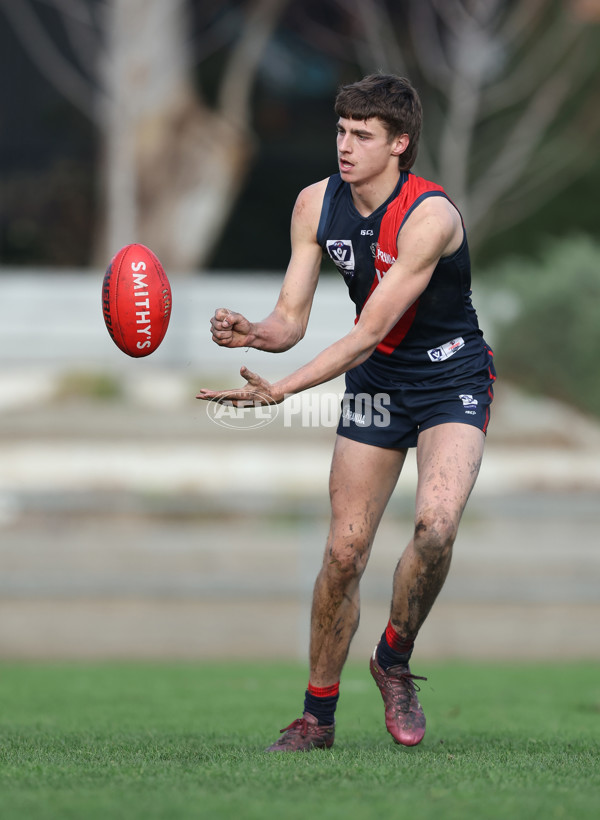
438, 337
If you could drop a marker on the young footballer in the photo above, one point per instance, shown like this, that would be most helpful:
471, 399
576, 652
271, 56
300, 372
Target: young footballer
418, 374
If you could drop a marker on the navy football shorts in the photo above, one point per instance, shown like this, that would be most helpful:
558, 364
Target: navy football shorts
377, 411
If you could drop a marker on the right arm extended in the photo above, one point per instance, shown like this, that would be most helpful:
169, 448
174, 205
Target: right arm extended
286, 324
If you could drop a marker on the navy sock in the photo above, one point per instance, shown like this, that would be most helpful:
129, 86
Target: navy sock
393, 649
320, 702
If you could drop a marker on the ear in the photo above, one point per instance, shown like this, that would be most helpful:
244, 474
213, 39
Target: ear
400, 144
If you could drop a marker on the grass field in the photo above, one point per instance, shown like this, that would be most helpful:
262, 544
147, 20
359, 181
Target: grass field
186, 740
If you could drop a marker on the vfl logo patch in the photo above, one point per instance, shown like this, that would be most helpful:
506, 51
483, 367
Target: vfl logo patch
440, 354
469, 403
342, 255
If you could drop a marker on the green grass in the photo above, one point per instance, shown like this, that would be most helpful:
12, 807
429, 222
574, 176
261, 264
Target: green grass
186, 741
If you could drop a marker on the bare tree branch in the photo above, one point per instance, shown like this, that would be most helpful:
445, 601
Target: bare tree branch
217, 35
521, 21
236, 86
514, 209
432, 59
46, 56
491, 61
511, 161
557, 163
79, 24
470, 50
544, 54
77, 10
377, 26
336, 43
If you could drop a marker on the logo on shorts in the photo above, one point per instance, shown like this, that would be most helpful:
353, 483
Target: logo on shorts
342, 256
440, 354
351, 415
366, 410
469, 403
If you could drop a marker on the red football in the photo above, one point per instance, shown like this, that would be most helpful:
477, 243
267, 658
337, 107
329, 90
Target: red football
136, 300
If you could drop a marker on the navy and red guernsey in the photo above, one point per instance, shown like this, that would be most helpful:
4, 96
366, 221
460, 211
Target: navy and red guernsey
438, 337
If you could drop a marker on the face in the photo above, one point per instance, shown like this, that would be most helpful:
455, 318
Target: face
365, 150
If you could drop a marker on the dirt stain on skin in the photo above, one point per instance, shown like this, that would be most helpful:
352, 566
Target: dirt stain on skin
424, 568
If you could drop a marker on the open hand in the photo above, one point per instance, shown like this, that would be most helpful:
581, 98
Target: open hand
256, 391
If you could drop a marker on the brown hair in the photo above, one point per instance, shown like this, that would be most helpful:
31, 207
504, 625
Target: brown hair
391, 99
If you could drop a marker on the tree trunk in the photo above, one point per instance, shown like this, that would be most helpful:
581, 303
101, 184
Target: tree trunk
174, 167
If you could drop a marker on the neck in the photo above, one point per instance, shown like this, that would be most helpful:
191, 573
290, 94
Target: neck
369, 195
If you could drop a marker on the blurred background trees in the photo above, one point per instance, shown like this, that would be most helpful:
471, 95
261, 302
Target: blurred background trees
549, 340
192, 125
168, 165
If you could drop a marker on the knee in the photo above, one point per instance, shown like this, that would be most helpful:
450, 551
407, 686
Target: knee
435, 532
346, 561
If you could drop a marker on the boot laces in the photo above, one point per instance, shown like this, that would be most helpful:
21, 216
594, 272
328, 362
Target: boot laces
300, 724
406, 677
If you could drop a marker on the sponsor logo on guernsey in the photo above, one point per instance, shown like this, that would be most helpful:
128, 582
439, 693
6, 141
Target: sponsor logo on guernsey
440, 354
383, 261
384, 257
469, 403
342, 255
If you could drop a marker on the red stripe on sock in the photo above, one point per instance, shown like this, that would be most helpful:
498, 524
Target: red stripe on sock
397, 642
324, 691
